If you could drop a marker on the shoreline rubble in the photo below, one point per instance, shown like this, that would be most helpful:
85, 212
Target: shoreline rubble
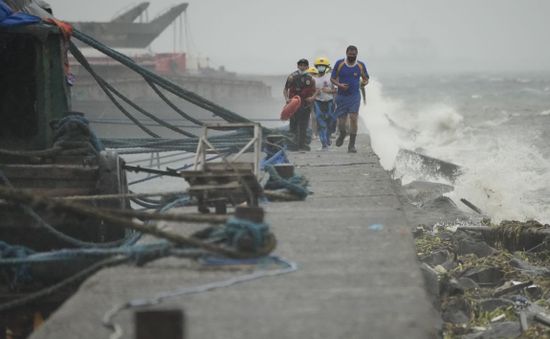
485, 280
488, 281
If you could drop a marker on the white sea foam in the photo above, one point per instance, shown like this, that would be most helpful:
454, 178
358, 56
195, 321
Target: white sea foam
502, 178
384, 138
523, 80
504, 174
496, 122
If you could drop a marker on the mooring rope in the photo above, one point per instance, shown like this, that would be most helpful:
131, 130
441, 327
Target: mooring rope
116, 329
129, 239
76, 53
296, 185
22, 197
171, 87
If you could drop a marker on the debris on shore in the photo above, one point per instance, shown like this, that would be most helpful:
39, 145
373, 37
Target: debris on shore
488, 281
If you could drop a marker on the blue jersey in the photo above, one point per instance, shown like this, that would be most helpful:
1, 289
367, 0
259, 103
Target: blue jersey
350, 75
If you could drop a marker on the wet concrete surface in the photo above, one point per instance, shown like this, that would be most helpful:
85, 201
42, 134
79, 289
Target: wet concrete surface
354, 280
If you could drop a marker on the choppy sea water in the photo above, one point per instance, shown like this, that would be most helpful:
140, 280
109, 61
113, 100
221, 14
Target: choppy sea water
496, 127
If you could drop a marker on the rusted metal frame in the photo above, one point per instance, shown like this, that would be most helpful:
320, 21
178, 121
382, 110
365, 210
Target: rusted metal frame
241, 179
256, 141
257, 149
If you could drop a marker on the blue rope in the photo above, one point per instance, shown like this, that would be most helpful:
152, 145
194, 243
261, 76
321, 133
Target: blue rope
146, 205
22, 273
117, 332
19, 255
236, 229
135, 252
297, 185
182, 201
60, 127
19, 260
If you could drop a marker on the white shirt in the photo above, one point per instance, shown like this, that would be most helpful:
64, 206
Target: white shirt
323, 82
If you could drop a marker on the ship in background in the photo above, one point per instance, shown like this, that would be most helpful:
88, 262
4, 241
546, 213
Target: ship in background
132, 34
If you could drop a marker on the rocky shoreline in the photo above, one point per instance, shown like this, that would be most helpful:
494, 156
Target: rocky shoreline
486, 280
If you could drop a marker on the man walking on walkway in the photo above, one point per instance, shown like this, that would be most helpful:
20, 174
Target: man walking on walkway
324, 101
302, 84
349, 75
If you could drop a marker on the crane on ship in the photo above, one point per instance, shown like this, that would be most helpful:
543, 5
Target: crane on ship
123, 32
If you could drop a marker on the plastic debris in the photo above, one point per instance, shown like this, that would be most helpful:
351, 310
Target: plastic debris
376, 227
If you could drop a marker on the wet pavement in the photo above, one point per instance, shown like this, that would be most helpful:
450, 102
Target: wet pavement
357, 276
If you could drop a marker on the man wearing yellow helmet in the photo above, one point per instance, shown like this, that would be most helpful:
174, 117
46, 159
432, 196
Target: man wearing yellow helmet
323, 105
314, 73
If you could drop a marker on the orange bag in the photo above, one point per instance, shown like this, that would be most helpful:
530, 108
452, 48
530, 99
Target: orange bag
291, 107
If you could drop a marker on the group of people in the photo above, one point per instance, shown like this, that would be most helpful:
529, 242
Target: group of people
332, 93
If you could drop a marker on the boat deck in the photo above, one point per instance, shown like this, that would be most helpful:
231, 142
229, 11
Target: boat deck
357, 275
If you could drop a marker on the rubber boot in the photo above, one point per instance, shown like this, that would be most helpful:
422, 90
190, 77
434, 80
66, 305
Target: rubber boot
351, 145
341, 137
302, 146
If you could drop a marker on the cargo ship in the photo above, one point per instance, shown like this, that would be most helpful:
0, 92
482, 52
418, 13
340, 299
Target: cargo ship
133, 37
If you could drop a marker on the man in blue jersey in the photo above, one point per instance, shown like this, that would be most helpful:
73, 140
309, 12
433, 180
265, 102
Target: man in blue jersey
348, 75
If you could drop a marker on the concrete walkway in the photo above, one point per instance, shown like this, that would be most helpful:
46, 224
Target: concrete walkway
353, 281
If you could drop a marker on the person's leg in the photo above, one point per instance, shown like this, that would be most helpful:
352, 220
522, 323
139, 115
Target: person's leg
302, 123
292, 126
342, 122
332, 125
330, 121
292, 130
353, 117
297, 134
314, 127
321, 123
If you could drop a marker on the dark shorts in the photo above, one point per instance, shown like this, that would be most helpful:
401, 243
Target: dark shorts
346, 104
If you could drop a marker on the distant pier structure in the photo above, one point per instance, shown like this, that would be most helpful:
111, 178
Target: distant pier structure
123, 32
133, 37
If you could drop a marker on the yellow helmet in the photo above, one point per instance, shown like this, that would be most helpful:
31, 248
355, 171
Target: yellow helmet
322, 61
312, 71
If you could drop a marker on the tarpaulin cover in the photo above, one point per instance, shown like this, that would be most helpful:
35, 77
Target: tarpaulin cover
9, 18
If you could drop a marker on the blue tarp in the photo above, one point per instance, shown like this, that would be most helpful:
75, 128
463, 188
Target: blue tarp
9, 18
277, 158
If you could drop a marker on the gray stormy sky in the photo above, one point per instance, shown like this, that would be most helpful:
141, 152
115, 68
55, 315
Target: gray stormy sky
268, 37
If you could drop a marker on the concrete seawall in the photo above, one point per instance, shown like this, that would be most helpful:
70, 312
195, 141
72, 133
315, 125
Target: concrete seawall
357, 276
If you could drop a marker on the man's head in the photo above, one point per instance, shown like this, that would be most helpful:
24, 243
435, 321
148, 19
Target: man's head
351, 54
303, 65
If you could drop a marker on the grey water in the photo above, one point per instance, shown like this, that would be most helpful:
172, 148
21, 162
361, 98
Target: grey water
495, 125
